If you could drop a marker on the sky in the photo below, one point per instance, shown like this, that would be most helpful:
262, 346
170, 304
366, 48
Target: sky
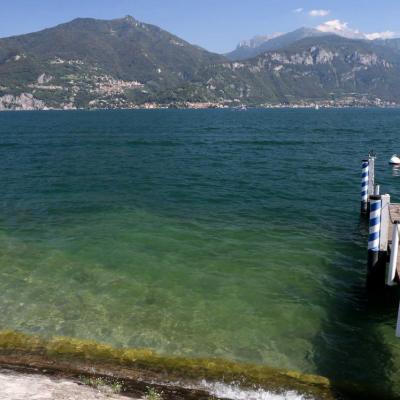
216, 25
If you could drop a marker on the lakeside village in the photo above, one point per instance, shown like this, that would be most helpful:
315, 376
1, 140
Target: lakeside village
27, 102
110, 93
100, 90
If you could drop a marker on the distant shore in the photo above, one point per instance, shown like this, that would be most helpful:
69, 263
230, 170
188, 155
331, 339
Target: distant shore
212, 106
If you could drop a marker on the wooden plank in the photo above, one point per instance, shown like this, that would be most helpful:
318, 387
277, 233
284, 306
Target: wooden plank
394, 212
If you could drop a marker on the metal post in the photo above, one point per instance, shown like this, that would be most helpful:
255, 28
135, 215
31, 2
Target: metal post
393, 255
364, 186
376, 260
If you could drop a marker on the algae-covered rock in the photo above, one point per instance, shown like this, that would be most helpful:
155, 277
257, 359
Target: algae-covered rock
61, 346
77, 354
10, 340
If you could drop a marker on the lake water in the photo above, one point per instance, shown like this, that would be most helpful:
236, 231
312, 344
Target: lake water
199, 233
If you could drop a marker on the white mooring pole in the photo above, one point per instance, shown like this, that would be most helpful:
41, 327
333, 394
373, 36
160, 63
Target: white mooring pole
393, 255
371, 173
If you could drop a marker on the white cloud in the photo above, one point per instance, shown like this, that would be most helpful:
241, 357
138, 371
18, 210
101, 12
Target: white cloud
380, 35
342, 29
298, 10
319, 13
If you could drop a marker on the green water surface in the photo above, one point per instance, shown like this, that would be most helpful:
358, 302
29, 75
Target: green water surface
199, 233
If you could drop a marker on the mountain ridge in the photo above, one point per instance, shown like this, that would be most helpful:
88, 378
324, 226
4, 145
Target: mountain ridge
274, 43
124, 63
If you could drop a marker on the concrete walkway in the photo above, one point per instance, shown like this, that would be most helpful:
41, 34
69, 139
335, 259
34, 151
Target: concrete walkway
20, 386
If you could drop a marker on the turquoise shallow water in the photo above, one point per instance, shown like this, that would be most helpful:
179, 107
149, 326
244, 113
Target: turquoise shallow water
199, 233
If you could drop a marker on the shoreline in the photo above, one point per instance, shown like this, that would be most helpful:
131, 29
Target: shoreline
30, 384
238, 109
177, 377
139, 368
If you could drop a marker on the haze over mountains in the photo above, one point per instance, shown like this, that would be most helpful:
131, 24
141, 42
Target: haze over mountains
123, 63
260, 44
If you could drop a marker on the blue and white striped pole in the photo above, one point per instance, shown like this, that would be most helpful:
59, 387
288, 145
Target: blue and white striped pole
376, 259
375, 223
364, 186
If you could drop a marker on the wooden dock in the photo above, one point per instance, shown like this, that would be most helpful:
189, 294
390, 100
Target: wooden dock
383, 234
394, 215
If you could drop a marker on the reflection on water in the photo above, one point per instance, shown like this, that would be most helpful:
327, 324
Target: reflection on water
396, 170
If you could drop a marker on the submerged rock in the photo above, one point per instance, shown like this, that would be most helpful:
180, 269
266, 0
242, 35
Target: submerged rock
178, 377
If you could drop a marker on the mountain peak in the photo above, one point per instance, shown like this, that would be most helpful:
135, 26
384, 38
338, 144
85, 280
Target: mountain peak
306, 29
124, 63
258, 40
261, 44
79, 20
129, 18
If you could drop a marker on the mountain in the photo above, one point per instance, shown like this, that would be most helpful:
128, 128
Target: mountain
261, 44
87, 60
124, 63
392, 43
258, 40
329, 69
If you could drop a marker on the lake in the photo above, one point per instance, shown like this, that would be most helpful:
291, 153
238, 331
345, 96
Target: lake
199, 233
